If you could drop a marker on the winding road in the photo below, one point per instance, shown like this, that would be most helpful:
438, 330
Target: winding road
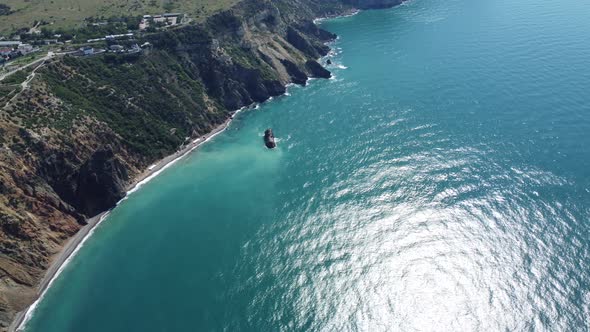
40, 60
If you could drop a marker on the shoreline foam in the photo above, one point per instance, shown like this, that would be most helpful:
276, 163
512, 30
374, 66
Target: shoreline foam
71, 248
64, 257
69, 251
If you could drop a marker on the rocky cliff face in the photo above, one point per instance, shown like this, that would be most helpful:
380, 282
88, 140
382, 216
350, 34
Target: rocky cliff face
71, 140
100, 182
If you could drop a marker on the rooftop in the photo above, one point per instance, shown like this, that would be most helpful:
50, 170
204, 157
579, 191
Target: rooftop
9, 43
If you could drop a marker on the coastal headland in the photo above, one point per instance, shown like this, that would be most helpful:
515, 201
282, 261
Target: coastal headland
84, 131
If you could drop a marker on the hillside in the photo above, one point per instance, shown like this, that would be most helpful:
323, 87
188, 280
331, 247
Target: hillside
72, 13
76, 130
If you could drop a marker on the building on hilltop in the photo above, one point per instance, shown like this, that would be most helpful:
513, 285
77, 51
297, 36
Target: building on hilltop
116, 48
25, 49
86, 50
10, 52
134, 49
119, 36
111, 37
167, 19
9, 43
5, 51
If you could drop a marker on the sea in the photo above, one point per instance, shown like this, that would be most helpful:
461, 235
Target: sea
440, 181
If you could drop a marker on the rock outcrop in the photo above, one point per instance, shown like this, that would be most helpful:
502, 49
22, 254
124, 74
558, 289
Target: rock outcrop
101, 183
296, 75
269, 139
317, 70
84, 127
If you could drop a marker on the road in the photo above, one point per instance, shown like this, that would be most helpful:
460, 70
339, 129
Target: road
40, 60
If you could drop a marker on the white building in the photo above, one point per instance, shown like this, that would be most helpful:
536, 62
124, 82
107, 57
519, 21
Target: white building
10, 43
25, 49
168, 19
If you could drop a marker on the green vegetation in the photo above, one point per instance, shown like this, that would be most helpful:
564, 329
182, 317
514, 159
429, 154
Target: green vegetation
95, 28
17, 78
248, 60
4, 9
19, 14
151, 101
118, 26
6, 92
23, 60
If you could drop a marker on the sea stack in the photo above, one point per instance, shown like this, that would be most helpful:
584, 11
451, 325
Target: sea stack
269, 139
329, 62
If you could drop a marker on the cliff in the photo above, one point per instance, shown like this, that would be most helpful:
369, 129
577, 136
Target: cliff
75, 131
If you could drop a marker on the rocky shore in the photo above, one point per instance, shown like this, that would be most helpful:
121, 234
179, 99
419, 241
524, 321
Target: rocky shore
269, 139
73, 143
77, 240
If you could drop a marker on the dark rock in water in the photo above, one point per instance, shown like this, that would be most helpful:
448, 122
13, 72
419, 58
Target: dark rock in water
269, 139
329, 62
317, 70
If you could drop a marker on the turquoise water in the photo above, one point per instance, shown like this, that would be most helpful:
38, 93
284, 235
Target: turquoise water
441, 182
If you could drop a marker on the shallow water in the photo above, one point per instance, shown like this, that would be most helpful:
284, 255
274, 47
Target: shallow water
440, 182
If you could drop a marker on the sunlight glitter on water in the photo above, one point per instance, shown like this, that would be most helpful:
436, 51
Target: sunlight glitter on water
439, 184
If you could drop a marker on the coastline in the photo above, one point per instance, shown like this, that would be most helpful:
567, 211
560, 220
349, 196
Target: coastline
72, 245
155, 169
76, 242
349, 13
59, 263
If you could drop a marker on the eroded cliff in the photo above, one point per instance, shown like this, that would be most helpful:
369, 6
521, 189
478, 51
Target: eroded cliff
75, 135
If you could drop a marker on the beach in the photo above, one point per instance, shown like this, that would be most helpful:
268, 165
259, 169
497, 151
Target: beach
75, 243
439, 183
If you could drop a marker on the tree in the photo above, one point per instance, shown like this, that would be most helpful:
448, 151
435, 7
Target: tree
5, 9
46, 33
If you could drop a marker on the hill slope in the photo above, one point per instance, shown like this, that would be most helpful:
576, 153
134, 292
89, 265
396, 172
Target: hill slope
76, 130
71, 13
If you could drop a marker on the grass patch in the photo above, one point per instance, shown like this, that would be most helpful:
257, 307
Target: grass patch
6, 92
71, 14
18, 77
151, 101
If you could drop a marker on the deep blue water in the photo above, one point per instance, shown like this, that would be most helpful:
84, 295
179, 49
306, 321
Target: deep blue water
441, 182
